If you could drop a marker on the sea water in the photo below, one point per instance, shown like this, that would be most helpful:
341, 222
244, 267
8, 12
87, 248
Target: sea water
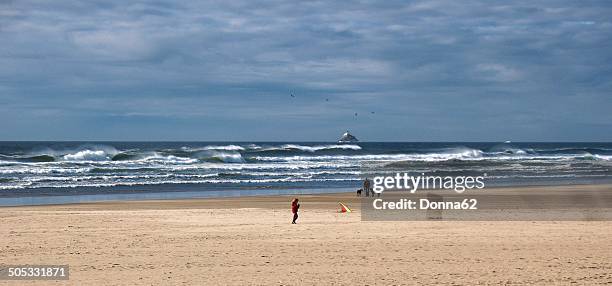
202, 169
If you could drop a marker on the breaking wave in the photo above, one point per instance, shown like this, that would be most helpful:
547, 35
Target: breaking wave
285, 164
315, 148
88, 155
225, 157
215, 147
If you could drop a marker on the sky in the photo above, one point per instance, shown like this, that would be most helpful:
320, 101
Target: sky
225, 71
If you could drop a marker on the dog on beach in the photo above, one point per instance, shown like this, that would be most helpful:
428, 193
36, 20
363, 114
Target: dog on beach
359, 192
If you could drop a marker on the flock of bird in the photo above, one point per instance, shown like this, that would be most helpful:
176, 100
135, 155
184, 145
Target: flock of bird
327, 100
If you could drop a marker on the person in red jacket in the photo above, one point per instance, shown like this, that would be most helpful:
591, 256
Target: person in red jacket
295, 206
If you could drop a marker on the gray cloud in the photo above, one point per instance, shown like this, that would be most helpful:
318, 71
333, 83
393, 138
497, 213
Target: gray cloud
432, 70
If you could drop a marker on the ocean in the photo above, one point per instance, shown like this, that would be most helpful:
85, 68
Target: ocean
139, 169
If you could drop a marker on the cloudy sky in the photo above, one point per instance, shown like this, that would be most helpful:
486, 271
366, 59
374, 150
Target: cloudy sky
429, 71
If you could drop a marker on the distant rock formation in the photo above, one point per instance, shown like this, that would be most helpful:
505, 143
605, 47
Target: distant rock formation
347, 138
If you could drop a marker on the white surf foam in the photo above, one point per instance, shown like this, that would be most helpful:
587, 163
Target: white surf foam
604, 157
216, 147
88, 155
228, 157
311, 148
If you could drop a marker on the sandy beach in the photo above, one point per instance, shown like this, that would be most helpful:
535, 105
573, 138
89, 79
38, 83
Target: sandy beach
250, 240
162, 142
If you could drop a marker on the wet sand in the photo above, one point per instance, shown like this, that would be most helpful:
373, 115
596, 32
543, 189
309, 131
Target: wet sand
250, 240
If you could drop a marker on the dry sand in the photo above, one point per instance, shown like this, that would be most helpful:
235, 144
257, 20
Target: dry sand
250, 241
